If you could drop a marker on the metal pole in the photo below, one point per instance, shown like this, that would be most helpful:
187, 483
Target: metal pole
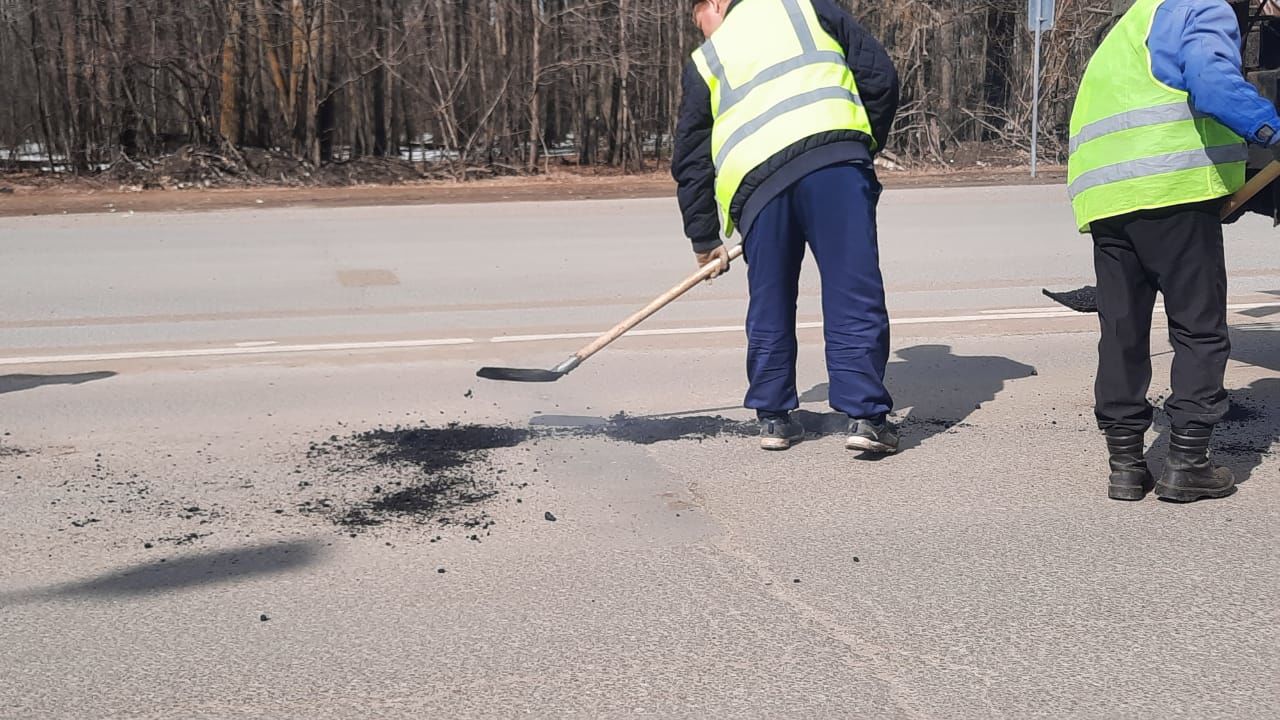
1035, 93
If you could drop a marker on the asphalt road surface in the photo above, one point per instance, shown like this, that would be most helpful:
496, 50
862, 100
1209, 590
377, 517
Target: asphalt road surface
246, 470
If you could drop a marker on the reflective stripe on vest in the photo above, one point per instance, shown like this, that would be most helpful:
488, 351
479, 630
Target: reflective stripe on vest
1136, 143
792, 103
1142, 117
790, 86
1159, 165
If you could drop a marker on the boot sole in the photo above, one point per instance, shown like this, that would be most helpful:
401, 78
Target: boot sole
1133, 485
777, 444
1187, 495
871, 446
1126, 492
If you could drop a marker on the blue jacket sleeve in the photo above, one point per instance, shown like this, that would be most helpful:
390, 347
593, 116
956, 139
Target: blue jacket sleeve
1195, 46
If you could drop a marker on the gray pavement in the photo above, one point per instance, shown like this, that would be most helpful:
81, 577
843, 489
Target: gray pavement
152, 501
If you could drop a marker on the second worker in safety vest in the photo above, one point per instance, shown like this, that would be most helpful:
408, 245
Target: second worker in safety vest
783, 108
1157, 142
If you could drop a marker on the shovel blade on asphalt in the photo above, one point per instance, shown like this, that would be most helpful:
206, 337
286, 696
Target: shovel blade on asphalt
528, 375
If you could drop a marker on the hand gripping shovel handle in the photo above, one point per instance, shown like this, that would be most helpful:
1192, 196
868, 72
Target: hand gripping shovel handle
646, 312
1255, 185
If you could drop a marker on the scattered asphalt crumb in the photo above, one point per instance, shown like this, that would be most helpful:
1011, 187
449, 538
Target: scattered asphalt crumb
440, 570
797, 581
186, 539
445, 475
263, 617
468, 394
548, 516
425, 474
855, 559
147, 546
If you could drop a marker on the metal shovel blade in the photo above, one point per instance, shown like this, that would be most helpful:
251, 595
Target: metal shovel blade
528, 375
1084, 300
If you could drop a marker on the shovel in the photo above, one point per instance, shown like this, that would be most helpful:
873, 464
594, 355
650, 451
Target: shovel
600, 343
1085, 299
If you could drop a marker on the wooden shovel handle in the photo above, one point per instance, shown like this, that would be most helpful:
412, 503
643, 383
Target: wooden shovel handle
658, 303
1255, 185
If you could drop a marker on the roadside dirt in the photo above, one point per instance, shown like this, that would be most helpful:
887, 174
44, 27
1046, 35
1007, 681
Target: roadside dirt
20, 197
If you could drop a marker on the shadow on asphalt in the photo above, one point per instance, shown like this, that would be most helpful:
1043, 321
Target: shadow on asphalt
938, 388
18, 383
1251, 428
181, 573
1264, 311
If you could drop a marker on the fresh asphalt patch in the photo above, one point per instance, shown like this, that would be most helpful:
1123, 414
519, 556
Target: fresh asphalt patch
446, 476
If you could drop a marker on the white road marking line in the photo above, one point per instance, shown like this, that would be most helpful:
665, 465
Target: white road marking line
1022, 311
1045, 315
944, 319
216, 352
272, 348
1233, 308
633, 333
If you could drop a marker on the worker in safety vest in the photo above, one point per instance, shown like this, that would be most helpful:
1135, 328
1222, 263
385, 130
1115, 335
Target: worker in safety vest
783, 108
1157, 143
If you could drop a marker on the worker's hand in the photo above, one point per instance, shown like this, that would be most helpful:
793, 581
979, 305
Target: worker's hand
720, 253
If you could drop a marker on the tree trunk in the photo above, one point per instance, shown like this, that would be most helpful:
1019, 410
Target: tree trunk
229, 117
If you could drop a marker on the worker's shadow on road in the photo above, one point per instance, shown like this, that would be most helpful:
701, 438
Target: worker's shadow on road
18, 383
937, 388
179, 573
1251, 428
1246, 436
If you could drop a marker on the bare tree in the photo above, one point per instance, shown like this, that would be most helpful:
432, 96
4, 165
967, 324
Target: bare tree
469, 86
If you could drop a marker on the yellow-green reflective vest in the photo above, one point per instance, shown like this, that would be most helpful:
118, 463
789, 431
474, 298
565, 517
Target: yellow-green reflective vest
776, 77
1138, 144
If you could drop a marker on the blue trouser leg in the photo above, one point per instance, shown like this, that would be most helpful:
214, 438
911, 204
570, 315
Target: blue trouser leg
836, 208
774, 250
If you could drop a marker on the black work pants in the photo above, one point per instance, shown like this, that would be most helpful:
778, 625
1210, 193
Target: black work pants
1176, 251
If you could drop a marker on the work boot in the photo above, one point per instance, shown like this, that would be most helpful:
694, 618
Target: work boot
1189, 474
872, 436
780, 432
1130, 477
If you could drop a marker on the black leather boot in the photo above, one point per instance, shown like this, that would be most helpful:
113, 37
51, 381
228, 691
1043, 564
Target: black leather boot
1189, 474
1130, 478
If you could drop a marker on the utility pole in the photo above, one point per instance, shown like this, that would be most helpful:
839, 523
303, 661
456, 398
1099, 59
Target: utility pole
1039, 20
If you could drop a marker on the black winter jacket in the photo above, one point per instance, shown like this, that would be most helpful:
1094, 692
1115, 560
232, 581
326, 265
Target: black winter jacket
692, 164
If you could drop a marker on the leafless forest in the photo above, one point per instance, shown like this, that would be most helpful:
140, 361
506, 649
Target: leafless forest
468, 87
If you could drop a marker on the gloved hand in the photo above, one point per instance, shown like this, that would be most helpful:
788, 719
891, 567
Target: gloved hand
720, 253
